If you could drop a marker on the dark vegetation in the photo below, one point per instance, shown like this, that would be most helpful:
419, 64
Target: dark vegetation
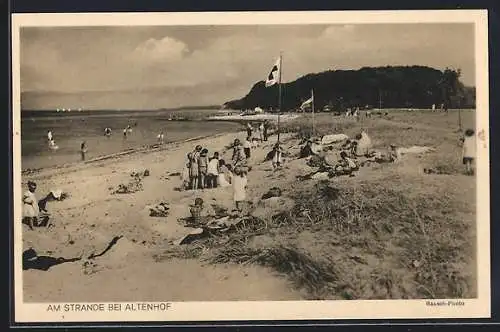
386, 87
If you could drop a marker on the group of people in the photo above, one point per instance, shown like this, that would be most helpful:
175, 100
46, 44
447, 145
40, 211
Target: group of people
259, 133
202, 171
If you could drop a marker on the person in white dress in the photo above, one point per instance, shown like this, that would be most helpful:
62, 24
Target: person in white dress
469, 151
30, 206
239, 190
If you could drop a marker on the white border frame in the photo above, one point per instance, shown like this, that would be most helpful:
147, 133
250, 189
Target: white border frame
271, 310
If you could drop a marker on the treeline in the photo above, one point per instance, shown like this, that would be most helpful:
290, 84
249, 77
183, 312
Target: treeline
386, 87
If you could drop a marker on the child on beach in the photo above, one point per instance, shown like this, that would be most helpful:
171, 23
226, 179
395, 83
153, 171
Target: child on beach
469, 151
213, 171
239, 189
203, 168
30, 206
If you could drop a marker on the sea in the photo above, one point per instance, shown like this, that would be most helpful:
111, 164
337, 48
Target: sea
70, 129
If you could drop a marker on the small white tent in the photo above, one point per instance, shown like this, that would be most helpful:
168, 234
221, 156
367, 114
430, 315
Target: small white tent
258, 110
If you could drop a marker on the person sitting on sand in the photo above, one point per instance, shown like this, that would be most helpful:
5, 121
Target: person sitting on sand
239, 189
469, 151
203, 168
306, 150
225, 174
213, 171
107, 132
345, 165
201, 214
239, 158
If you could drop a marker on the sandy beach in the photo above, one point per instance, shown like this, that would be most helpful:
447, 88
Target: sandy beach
92, 218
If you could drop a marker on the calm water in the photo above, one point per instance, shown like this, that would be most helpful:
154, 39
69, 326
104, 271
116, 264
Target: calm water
69, 130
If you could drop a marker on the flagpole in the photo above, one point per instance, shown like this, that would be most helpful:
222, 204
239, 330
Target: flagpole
279, 95
312, 105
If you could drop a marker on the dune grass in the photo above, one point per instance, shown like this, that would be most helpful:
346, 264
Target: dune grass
393, 234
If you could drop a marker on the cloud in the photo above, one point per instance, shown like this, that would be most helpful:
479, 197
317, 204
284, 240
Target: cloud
159, 50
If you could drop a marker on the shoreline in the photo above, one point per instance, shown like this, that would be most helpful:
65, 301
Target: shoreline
117, 155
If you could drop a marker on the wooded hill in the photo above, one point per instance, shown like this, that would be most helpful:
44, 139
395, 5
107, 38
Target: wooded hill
388, 87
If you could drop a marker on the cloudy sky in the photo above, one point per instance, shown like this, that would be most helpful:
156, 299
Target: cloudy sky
170, 66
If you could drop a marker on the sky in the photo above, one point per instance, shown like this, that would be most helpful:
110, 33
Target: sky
170, 66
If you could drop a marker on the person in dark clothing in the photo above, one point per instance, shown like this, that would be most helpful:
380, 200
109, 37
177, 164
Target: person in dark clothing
266, 127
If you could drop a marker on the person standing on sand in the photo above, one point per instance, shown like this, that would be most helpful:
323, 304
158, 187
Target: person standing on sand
239, 189
193, 168
265, 126
30, 206
469, 151
49, 135
83, 149
203, 168
213, 171
161, 138
239, 159
247, 146
278, 151
125, 133
249, 130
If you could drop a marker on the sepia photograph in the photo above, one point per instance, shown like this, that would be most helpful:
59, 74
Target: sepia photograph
233, 159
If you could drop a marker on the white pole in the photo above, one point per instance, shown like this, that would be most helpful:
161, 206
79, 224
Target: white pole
279, 95
312, 105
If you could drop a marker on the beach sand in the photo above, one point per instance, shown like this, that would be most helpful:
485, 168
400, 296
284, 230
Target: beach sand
92, 216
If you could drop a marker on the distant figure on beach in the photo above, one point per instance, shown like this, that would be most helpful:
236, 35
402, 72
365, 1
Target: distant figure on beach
83, 149
249, 129
247, 145
161, 138
469, 151
266, 128
107, 132
49, 135
261, 131
125, 133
